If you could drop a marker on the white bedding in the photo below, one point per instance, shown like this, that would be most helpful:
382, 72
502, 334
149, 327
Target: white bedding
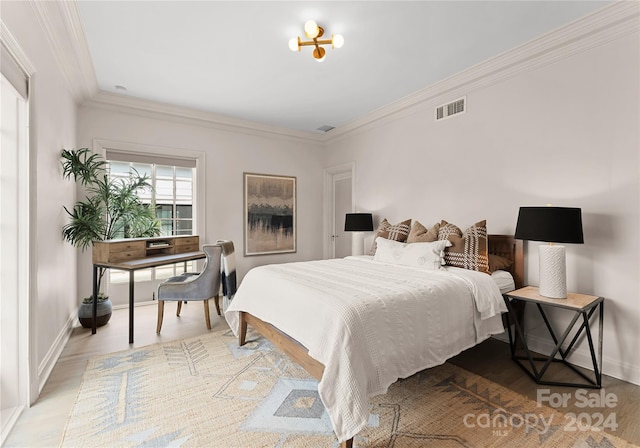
370, 323
504, 280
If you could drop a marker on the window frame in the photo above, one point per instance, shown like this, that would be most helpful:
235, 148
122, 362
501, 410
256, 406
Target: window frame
155, 198
198, 219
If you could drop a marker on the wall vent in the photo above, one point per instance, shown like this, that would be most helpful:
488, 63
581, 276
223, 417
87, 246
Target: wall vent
325, 128
453, 108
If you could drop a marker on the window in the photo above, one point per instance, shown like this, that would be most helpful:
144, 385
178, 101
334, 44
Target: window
172, 196
174, 199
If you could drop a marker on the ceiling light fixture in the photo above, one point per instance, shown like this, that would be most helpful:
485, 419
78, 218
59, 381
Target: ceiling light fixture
315, 32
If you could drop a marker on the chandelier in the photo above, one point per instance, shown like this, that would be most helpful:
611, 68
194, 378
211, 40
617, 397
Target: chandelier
315, 32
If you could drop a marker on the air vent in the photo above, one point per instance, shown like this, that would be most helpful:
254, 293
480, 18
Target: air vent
452, 108
325, 128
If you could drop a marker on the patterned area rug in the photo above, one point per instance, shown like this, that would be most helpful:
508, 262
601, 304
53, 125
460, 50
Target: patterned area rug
208, 392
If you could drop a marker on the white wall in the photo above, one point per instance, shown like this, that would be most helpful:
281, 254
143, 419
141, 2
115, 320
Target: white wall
228, 155
53, 117
565, 133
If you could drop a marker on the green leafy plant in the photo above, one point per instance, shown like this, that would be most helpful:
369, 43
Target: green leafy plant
111, 208
89, 300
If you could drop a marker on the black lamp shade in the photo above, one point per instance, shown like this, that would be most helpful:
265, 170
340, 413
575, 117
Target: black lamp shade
358, 222
550, 224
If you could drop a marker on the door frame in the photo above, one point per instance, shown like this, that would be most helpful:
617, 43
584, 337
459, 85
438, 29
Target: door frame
26, 245
328, 200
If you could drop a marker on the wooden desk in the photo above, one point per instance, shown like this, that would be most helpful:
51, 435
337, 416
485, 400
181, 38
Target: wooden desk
140, 253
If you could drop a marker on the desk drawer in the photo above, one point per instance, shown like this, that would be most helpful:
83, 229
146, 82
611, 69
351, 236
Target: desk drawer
187, 248
123, 255
109, 251
125, 250
188, 241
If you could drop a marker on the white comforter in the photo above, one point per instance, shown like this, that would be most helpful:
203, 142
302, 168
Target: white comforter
370, 323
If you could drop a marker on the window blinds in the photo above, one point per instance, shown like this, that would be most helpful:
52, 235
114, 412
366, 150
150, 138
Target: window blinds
122, 156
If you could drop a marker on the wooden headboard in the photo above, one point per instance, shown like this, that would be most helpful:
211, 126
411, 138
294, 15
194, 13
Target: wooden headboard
508, 247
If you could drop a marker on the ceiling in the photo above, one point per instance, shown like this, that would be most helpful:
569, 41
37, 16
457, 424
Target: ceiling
232, 57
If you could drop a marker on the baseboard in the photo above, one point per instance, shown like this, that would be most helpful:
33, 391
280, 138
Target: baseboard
10, 422
582, 358
48, 363
46, 366
126, 307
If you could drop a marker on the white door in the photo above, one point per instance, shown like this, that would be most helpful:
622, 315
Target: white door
338, 200
342, 204
14, 241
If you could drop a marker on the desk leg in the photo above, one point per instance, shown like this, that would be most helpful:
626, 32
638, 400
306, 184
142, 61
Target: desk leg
131, 277
94, 321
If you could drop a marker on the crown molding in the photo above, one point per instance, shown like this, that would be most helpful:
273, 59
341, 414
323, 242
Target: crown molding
15, 50
153, 109
63, 29
607, 24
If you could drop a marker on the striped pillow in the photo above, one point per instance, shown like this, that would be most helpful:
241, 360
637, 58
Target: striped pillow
470, 249
396, 232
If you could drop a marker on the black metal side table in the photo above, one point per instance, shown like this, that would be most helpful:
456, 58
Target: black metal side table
584, 306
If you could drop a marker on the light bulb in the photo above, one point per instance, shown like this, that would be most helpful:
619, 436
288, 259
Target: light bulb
319, 54
337, 41
311, 29
294, 44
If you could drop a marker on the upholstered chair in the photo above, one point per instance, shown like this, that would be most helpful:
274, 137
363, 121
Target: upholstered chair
200, 286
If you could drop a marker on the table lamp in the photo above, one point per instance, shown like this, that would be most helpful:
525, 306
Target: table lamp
552, 225
358, 223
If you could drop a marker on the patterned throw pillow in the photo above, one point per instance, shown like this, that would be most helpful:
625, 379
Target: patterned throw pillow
396, 232
420, 234
498, 263
469, 249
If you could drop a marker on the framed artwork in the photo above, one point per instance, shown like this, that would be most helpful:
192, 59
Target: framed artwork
269, 214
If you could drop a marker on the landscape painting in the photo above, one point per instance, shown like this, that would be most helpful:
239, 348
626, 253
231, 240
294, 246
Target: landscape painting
270, 214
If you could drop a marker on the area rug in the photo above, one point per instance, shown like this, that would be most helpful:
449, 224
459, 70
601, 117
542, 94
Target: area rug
208, 392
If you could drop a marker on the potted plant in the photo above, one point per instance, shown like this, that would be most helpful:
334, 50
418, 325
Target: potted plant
111, 209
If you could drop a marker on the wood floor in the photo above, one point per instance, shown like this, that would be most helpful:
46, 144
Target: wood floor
43, 423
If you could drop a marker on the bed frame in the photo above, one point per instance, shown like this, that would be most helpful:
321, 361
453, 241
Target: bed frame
502, 245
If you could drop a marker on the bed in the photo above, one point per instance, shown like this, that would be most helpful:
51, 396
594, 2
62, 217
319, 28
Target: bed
357, 325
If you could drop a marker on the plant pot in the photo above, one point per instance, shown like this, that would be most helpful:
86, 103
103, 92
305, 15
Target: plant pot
103, 314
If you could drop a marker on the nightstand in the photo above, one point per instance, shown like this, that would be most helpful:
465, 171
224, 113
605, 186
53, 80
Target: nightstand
583, 306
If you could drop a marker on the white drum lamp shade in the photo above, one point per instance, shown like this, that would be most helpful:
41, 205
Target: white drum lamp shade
552, 225
358, 223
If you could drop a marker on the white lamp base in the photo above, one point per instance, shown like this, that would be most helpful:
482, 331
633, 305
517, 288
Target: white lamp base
553, 272
357, 243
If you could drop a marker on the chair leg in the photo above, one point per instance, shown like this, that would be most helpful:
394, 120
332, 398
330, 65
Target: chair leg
206, 314
179, 308
160, 315
217, 302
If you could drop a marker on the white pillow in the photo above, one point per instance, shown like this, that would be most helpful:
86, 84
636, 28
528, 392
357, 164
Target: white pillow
423, 255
